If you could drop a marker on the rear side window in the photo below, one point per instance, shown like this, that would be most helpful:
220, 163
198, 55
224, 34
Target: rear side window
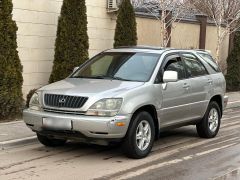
211, 62
194, 67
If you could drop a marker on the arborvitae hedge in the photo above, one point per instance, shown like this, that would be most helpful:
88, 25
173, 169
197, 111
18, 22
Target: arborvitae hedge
233, 70
71, 47
11, 79
126, 30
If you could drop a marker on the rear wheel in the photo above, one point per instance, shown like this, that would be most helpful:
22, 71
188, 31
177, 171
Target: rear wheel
140, 136
50, 142
210, 124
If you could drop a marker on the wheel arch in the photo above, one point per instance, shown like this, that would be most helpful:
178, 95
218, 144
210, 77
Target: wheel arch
153, 112
219, 100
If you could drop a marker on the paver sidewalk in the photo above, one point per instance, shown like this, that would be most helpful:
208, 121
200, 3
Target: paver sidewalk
18, 133
15, 134
14, 130
234, 99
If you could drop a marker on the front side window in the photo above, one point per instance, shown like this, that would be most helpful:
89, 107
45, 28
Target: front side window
121, 66
175, 64
194, 67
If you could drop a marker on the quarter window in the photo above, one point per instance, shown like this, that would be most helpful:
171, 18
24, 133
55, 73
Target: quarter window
193, 66
212, 63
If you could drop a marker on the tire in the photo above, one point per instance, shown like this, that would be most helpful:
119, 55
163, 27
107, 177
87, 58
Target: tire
131, 145
209, 126
50, 142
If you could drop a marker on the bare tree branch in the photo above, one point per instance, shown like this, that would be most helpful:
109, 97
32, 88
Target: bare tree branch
165, 11
224, 13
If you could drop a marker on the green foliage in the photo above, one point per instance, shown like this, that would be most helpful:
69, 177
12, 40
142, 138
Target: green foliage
71, 46
233, 70
29, 95
126, 30
10, 66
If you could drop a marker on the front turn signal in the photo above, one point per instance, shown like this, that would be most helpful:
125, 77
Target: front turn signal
120, 124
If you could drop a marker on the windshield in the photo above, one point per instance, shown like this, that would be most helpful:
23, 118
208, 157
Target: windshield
120, 66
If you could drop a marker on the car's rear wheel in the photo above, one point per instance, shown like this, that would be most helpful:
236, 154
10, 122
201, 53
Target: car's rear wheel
209, 126
140, 136
50, 142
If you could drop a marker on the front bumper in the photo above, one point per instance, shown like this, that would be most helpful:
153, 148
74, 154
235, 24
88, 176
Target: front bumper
88, 126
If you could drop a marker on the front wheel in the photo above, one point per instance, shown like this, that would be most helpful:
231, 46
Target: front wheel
50, 142
210, 124
140, 136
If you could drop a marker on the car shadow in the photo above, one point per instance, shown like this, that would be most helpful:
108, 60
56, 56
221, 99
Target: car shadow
80, 149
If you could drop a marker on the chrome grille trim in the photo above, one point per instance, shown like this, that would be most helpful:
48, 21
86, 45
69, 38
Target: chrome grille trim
64, 101
64, 111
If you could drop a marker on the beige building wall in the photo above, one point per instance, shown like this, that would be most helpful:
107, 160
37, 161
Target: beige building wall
211, 44
101, 26
185, 36
149, 31
37, 25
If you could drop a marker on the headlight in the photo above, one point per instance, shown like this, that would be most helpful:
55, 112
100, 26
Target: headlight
34, 103
105, 107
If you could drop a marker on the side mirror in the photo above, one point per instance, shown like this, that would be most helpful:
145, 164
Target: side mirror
75, 69
170, 76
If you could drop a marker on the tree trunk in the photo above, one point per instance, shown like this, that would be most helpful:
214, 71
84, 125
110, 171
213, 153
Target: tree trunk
218, 52
163, 29
219, 41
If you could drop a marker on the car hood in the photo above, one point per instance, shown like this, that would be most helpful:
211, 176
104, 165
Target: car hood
90, 87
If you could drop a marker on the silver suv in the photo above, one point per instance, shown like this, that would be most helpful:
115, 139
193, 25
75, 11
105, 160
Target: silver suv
130, 95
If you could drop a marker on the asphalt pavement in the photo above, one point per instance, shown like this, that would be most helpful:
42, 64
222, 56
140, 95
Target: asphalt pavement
178, 155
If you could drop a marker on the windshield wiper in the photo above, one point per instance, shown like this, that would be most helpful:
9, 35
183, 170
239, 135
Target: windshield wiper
121, 79
93, 77
103, 77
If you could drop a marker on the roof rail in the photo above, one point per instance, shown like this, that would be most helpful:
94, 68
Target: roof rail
141, 47
203, 50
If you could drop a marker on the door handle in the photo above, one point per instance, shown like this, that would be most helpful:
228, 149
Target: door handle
210, 81
186, 85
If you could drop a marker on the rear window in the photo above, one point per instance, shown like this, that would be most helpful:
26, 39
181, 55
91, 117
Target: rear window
211, 62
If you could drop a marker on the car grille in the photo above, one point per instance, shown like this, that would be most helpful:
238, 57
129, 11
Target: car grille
63, 111
64, 101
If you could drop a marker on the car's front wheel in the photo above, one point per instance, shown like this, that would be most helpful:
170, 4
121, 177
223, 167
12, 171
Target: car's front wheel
210, 124
140, 136
50, 142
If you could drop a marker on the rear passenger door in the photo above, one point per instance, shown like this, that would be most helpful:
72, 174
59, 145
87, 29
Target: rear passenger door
201, 84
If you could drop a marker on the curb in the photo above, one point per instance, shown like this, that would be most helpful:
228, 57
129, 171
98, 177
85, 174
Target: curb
233, 104
11, 122
17, 142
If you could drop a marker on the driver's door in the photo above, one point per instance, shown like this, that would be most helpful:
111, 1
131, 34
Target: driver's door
175, 106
